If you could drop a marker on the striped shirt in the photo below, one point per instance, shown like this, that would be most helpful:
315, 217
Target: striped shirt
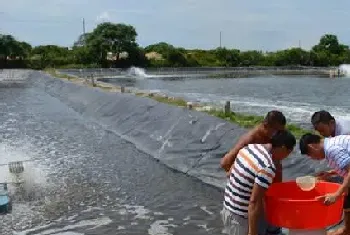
253, 165
337, 151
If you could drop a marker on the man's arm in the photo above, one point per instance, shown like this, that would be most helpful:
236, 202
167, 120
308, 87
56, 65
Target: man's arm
229, 158
262, 182
341, 157
255, 207
279, 173
346, 183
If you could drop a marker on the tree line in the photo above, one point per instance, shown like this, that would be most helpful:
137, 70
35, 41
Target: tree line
114, 45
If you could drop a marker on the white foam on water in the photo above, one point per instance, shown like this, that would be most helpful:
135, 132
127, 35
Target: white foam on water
19, 219
345, 69
95, 223
91, 209
139, 73
139, 211
295, 111
32, 174
160, 227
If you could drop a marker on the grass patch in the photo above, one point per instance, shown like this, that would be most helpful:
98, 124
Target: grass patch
171, 101
246, 121
243, 120
106, 88
54, 73
298, 131
163, 99
249, 121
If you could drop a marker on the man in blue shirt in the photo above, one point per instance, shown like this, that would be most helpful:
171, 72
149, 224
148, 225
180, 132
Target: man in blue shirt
336, 151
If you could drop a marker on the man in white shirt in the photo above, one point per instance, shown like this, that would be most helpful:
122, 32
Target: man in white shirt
328, 126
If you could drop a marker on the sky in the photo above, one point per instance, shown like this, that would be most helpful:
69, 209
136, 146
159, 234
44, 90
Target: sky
245, 24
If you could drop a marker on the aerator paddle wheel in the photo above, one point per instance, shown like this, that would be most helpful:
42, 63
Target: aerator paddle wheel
16, 169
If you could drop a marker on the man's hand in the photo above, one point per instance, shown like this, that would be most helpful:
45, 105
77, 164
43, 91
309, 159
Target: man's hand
226, 162
329, 199
228, 173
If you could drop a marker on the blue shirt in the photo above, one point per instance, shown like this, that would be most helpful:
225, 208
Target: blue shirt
337, 151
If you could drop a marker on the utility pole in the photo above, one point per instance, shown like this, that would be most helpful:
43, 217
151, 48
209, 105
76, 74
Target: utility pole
84, 30
220, 39
299, 43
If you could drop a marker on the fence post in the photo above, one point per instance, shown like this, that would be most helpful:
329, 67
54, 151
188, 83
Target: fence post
227, 108
122, 89
189, 105
93, 80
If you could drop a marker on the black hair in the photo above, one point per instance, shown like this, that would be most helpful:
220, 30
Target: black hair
275, 117
307, 139
283, 138
321, 117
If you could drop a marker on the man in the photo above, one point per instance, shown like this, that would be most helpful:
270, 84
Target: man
328, 126
336, 151
252, 172
261, 134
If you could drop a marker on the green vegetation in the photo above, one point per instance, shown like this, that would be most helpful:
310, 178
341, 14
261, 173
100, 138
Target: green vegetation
249, 121
171, 101
114, 45
243, 120
56, 74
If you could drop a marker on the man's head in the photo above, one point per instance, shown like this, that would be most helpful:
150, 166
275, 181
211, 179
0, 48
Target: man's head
324, 123
274, 121
282, 143
311, 145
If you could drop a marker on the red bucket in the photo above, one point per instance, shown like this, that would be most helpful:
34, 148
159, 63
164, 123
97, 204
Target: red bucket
289, 207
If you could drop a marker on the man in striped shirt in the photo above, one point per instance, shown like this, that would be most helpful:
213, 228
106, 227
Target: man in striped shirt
252, 173
336, 151
261, 134
328, 126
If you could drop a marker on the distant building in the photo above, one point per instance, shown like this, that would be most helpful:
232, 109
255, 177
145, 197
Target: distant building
123, 55
154, 56
113, 56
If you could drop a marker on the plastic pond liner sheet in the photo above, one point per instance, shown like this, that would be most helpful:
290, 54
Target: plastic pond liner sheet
187, 141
